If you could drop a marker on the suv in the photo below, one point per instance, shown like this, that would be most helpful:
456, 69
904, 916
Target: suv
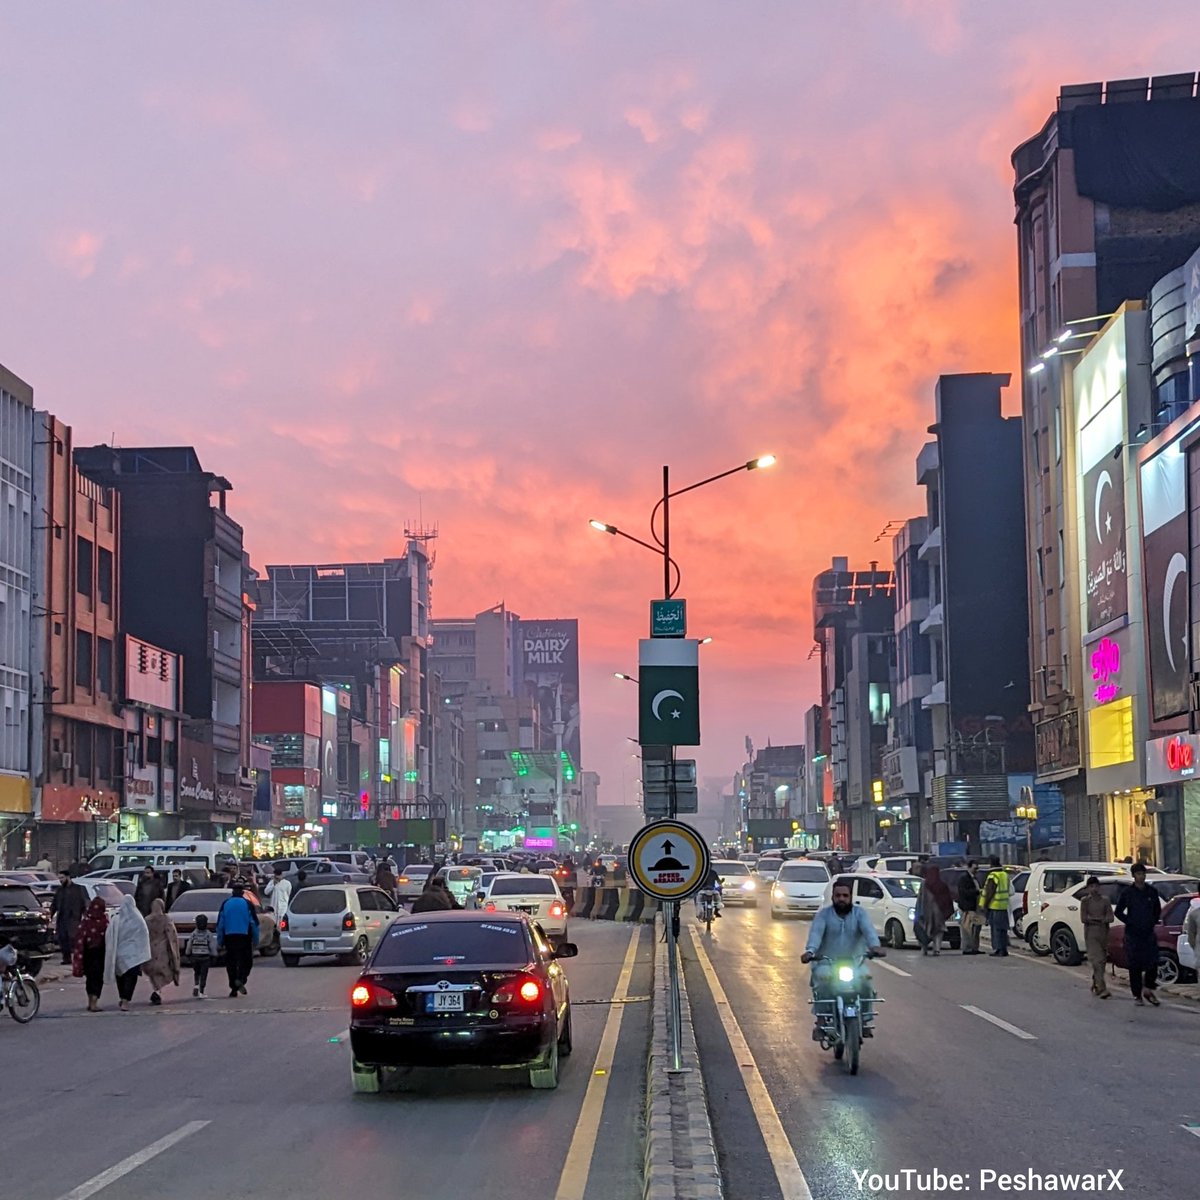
25, 924
1059, 929
1049, 879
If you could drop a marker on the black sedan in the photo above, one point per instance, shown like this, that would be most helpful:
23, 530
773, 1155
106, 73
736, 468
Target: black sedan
461, 989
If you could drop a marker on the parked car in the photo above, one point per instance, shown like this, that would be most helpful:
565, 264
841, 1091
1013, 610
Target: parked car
1060, 927
104, 889
739, 885
537, 896
25, 924
1048, 879
799, 889
196, 876
890, 901
410, 882
896, 862
461, 989
1176, 963
208, 901
342, 921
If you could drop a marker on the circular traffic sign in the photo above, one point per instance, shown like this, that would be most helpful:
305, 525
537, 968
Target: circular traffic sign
669, 860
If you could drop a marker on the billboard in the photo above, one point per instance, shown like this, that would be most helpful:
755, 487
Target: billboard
1165, 573
1104, 539
549, 663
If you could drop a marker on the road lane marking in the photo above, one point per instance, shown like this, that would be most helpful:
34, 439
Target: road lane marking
888, 967
987, 1016
792, 1183
1192, 1129
573, 1181
126, 1165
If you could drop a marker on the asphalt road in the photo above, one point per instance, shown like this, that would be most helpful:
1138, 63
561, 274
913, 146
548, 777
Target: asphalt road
1093, 1085
84, 1094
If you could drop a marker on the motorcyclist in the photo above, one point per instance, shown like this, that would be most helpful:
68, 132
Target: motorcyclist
712, 883
841, 932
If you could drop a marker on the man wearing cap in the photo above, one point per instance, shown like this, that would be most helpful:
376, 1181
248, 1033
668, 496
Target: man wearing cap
1140, 907
1097, 916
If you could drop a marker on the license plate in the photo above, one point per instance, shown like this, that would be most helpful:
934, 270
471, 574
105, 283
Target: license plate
445, 1002
851, 1011
525, 908
314, 944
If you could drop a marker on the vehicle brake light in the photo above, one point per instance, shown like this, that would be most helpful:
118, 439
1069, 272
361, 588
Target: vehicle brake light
490, 906
557, 910
366, 995
531, 990
360, 997
402, 879
1025, 903
283, 923
348, 921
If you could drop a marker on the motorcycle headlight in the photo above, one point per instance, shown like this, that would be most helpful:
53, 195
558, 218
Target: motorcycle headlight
846, 974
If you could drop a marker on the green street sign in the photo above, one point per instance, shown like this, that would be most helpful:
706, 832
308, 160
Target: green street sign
669, 705
668, 618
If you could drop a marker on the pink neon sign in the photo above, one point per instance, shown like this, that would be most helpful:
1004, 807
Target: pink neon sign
540, 843
1106, 669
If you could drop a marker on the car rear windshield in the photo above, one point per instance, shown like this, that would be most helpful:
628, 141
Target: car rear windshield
524, 885
416, 870
462, 874
200, 901
18, 899
446, 943
111, 895
731, 868
318, 901
796, 873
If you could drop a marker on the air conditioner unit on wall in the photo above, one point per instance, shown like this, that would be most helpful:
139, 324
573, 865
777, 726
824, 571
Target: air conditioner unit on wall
66, 761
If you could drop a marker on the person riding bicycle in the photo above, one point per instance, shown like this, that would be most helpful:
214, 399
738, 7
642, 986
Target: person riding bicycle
712, 884
841, 933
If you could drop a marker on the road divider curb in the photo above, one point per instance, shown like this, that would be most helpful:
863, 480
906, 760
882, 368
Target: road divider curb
681, 1156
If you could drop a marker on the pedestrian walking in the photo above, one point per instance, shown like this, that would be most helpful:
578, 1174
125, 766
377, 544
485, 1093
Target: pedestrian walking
937, 906
971, 920
176, 888
163, 967
202, 949
237, 934
279, 892
67, 909
43, 864
126, 950
1139, 908
385, 878
994, 903
87, 960
1097, 915
149, 888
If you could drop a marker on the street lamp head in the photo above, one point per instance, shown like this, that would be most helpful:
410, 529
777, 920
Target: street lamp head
705, 641
600, 527
761, 463
622, 675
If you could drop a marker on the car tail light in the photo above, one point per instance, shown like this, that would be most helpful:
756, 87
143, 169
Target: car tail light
526, 990
283, 923
1025, 903
490, 906
557, 910
348, 922
367, 995
530, 991
402, 879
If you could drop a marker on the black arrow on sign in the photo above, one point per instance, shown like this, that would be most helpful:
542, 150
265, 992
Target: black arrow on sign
668, 846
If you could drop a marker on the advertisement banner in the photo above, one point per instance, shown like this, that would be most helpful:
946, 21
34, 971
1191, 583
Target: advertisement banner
1165, 571
549, 664
1058, 743
1104, 518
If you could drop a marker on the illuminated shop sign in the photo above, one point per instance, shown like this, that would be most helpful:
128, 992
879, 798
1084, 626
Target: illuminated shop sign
1106, 670
1170, 759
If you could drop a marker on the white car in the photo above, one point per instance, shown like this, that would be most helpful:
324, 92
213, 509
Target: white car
410, 882
799, 889
535, 895
894, 863
890, 901
738, 883
1059, 928
342, 920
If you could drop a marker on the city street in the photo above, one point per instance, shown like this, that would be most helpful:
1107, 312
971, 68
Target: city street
269, 1076
1041, 1075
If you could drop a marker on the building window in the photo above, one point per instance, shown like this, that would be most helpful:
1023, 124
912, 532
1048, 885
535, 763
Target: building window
153, 751
83, 754
104, 754
83, 659
104, 666
104, 575
83, 566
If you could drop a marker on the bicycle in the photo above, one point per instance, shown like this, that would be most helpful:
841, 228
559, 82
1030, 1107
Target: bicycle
18, 992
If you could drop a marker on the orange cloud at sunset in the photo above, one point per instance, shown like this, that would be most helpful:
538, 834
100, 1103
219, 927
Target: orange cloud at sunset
496, 267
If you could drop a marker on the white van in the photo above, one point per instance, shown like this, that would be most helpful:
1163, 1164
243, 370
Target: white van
183, 853
1047, 879
356, 860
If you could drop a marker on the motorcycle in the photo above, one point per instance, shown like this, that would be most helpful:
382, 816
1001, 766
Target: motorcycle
840, 1018
706, 907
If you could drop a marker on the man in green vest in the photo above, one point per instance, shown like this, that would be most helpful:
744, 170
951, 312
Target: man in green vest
994, 903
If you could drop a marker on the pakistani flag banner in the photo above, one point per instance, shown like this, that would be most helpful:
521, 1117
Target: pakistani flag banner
669, 693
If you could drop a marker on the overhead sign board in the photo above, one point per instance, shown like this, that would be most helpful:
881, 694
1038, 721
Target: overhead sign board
668, 692
669, 860
668, 618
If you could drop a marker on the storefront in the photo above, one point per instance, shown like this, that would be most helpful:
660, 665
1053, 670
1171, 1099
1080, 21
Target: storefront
1169, 820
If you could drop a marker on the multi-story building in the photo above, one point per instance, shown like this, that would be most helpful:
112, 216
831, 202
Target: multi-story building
773, 790
908, 761
16, 584
853, 614
817, 796
1106, 204
152, 703
977, 623
77, 730
182, 580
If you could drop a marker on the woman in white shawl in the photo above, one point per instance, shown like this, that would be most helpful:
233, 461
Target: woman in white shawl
126, 950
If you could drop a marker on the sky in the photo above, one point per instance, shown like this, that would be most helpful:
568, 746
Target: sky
487, 266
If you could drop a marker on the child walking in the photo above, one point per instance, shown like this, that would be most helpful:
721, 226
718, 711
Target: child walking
202, 949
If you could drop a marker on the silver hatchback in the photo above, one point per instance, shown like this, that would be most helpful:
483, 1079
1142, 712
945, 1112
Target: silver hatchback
342, 921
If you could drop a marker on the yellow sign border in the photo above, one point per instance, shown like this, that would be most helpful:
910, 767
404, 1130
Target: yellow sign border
685, 833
